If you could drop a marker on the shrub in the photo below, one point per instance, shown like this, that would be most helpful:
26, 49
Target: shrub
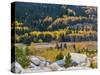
68, 60
21, 57
93, 64
40, 40
59, 56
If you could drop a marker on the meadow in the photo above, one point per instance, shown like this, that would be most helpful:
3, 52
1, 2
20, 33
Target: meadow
50, 53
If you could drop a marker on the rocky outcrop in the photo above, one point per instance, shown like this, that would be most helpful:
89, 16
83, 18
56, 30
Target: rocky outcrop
78, 68
79, 59
76, 60
40, 64
36, 61
55, 67
17, 68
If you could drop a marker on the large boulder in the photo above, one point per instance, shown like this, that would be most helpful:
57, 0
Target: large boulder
16, 67
38, 69
79, 59
46, 69
55, 67
76, 60
42, 61
35, 60
32, 65
61, 63
30, 70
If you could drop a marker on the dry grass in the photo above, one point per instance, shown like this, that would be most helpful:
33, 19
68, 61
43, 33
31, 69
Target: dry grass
51, 53
48, 54
80, 45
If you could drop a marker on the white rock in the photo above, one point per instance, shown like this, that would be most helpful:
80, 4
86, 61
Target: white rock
79, 59
87, 64
45, 69
94, 58
29, 70
60, 62
18, 68
32, 65
78, 68
55, 67
35, 60
38, 69
48, 62
42, 63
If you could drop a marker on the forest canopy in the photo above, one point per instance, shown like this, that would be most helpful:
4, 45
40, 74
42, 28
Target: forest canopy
48, 23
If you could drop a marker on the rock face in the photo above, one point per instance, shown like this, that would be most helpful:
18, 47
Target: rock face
32, 65
55, 67
40, 64
76, 60
78, 68
38, 69
17, 68
79, 59
36, 61
60, 63
39, 61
